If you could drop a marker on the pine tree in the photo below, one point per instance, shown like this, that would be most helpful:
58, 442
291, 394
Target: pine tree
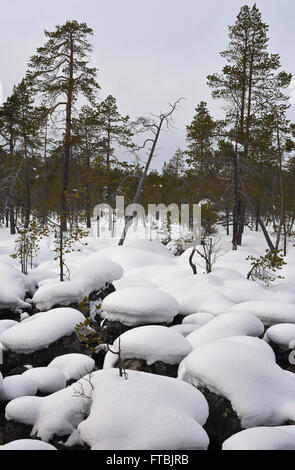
115, 132
62, 73
249, 80
200, 138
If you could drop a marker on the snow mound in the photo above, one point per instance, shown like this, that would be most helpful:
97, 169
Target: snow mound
27, 444
261, 346
40, 330
282, 335
192, 302
198, 318
152, 343
47, 380
139, 305
261, 393
130, 257
263, 438
5, 324
157, 413
13, 287
88, 277
73, 365
270, 313
15, 386
185, 328
224, 326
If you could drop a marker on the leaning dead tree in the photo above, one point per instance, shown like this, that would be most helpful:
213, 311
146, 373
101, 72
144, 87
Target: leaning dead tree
154, 126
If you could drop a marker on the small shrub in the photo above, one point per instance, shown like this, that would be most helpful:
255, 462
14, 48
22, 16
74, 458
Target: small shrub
264, 268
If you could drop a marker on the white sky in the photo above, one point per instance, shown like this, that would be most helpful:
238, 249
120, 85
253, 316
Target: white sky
148, 52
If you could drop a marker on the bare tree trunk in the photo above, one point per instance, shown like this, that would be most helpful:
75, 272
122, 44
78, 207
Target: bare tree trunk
67, 141
156, 130
282, 200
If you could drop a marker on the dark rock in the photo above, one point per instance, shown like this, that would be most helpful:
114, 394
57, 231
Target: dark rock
177, 320
222, 422
9, 315
57, 442
2, 424
99, 358
18, 370
65, 345
110, 330
13, 431
158, 367
102, 293
282, 357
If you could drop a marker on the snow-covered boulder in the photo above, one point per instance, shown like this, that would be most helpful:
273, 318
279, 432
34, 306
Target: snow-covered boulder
185, 328
261, 393
15, 386
73, 365
151, 343
27, 444
202, 299
48, 380
224, 326
262, 438
130, 257
270, 313
282, 335
40, 330
5, 324
198, 318
89, 277
261, 346
139, 306
146, 411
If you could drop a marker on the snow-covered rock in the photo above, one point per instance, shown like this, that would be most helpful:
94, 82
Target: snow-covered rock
27, 444
146, 411
261, 393
73, 365
48, 380
198, 318
130, 257
5, 324
40, 330
270, 313
224, 326
283, 335
90, 276
185, 328
151, 343
262, 438
139, 305
261, 346
15, 386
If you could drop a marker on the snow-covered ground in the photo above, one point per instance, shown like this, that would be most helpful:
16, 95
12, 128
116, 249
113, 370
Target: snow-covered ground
225, 328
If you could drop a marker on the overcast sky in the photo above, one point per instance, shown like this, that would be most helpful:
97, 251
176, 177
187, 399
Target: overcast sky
148, 52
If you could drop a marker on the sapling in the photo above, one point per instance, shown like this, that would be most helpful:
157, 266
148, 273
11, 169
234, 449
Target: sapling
28, 243
264, 268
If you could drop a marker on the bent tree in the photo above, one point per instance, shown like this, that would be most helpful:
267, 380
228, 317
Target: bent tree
154, 127
62, 73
